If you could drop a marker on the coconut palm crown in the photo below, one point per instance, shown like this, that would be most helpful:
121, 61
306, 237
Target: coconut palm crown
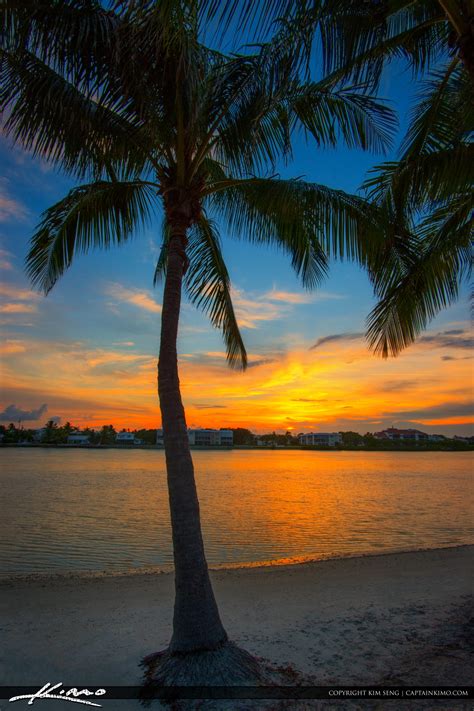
129, 101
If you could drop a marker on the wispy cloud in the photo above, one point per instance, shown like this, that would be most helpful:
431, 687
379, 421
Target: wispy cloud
5, 260
454, 338
135, 297
444, 411
251, 310
295, 297
336, 337
259, 361
16, 300
447, 357
18, 308
11, 291
10, 209
288, 297
10, 346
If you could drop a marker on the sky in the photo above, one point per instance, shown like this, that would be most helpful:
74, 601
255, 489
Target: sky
87, 352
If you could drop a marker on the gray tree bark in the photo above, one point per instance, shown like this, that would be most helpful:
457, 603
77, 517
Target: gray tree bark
196, 622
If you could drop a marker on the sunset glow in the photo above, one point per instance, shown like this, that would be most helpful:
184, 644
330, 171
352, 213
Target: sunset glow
88, 351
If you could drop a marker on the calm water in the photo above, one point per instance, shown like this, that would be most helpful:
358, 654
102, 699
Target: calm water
108, 510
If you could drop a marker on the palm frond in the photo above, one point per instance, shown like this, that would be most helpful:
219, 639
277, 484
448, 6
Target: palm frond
431, 178
309, 222
76, 39
207, 285
414, 291
50, 116
359, 39
440, 116
160, 267
330, 113
101, 214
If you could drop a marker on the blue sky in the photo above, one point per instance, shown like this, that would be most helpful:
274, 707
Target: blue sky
101, 322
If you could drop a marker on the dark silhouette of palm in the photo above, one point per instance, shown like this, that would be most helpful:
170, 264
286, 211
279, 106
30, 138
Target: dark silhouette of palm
132, 103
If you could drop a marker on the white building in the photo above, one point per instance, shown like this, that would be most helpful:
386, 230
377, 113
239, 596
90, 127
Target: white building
125, 438
322, 439
204, 438
396, 435
78, 438
226, 438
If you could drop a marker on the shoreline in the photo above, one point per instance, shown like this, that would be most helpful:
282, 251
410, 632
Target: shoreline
396, 619
150, 571
461, 447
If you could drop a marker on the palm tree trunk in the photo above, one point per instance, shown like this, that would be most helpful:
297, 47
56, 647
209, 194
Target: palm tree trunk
196, 622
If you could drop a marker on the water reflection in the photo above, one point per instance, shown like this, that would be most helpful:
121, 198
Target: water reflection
94, 510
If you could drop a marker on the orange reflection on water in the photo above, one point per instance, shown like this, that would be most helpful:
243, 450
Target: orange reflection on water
108, 509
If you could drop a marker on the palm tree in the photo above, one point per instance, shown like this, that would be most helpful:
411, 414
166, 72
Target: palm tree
359, 36
428, 198
133, 102
427, 194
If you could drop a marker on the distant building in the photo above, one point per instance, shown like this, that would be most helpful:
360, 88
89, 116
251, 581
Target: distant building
78, 438
397, 435
39, 434
467, 440
211, 438
323, 439
226, 438
127, 438
204, 438
436, 438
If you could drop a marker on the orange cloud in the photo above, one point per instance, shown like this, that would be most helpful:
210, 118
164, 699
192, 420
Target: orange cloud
340, 385
12, 346
135, 297
293, 297
18, 308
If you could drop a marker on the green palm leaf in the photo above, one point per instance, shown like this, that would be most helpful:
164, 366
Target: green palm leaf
308, 221
101, 214
426, 282
207, 284
52, 117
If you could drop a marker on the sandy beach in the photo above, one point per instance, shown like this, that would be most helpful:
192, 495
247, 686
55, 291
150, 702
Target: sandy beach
398, 619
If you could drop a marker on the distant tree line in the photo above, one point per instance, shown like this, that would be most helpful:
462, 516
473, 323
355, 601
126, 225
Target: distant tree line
53, 433
350, 440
